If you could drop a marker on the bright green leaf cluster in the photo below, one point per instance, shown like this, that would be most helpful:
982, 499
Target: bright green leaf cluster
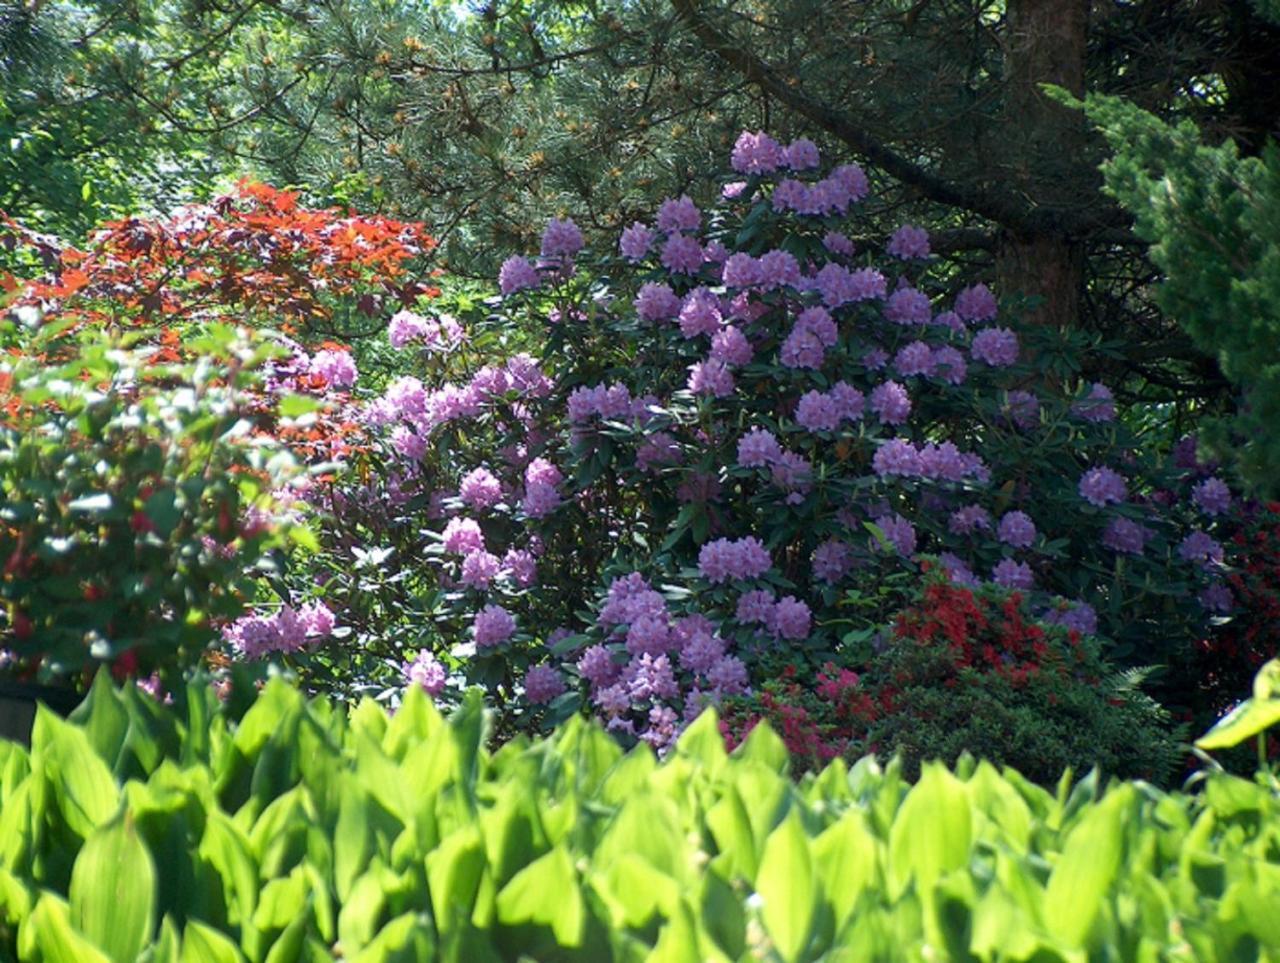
307, 832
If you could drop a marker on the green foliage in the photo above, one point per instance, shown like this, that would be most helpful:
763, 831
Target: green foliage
304, 832
1253, 716
123, 489
1212, 218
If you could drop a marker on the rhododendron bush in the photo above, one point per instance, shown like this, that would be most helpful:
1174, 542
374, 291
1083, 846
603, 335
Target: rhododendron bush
632, 482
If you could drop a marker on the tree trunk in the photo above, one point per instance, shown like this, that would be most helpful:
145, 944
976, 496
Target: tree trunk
1043, 144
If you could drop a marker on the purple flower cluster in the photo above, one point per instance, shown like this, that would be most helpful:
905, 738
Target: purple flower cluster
610, 402
907, 306
636, 241
492, 626
898, 457
424, 670
1013, 574
678, 215
976, 304
1125, 535
561, 239
700, 313
337, 368
909, 242
480, 489
838, 285
891, 403
825, 410
725, 558
805, 346
1102, 486
997, 347
1016, 529
541, 492
517, 274
542, 683
1098, 405
657, 302
1212, 496
900, 533
286, 630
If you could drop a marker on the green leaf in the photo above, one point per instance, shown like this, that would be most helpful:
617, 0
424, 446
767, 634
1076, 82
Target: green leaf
113, 890
454, 869
295, 406
787, 887
204, 944
86, 792
1250, 717
546, 891
846, 857
1088, 865
47, 935
932, 832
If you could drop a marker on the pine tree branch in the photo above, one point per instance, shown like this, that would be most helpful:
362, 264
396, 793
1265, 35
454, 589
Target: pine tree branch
1003, 208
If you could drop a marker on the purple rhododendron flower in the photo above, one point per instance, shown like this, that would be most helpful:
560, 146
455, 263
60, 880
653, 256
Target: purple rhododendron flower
724, 559
756, 153
896, 457
517, 274
790, 619
711, 377
976, 304
997, 347
758, 448
542, 683
949, 365
681, 254
561, 239
817, 412
909, 242
1016, 529
964, 521
1201, 548
1097, 406
424, 670
636, 241
908, 306
731, 346
1102, 486
741, 271
479, 569
678, 214
492, 626
462, 536
596, 665
1024, 409
480, 489
900, 533
915, 358
801, 155
700, 313
891, 403
838, 243
1125, 535
336, 367
1216, 597
1212, 496
832, 561
656, 302
1012, 574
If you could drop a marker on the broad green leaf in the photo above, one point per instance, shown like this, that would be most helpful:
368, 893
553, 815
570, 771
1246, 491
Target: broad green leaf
281, 901
634, 891
1082, 877
204, 944
454, 869
113, 890
1251, 717
227, 850
86, 792
763, 746
702, 741
104, 720
932, 832
846, 857
787, 887
731, 828
546, 891
47, 935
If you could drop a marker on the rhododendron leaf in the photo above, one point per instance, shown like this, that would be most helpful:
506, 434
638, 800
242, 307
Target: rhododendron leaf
546, 891
932, 832
1084, 872
787, 886
113, 890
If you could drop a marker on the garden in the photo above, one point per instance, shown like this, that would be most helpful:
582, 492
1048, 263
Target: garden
450, 509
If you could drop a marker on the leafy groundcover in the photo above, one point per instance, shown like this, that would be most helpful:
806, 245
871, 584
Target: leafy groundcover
305, 831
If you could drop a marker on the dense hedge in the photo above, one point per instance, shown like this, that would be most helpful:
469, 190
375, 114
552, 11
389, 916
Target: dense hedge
305, 832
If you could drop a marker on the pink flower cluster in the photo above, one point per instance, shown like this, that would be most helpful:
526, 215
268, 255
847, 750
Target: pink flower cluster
436, 334
286, 630
826, 410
